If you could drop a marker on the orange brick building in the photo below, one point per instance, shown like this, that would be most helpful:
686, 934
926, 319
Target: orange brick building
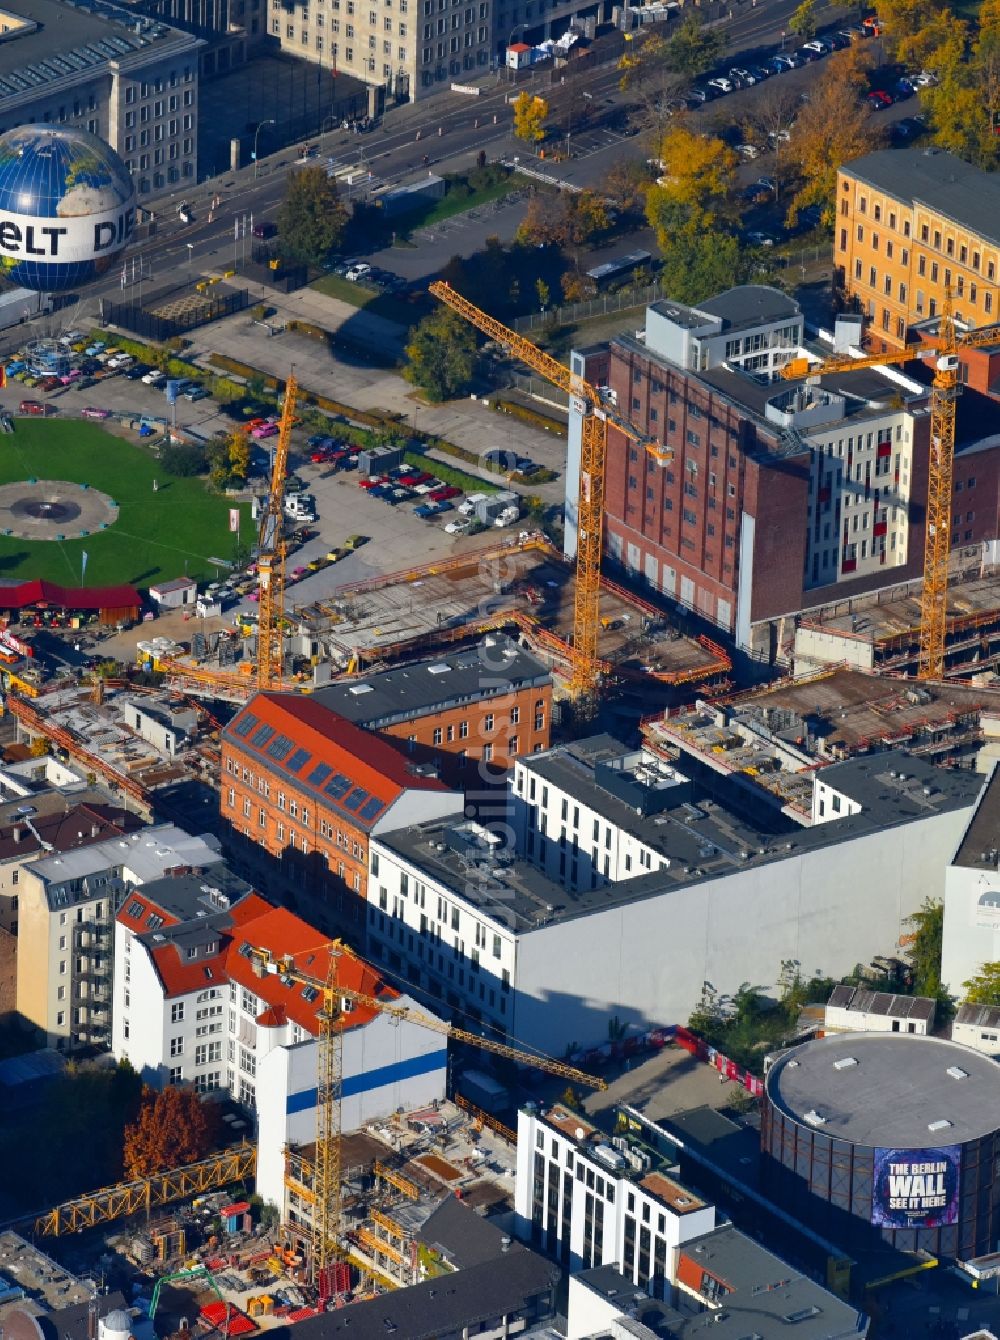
306, 788
468, 713
911, 224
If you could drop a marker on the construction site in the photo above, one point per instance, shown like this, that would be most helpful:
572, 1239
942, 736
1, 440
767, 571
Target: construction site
883, 634
774, 738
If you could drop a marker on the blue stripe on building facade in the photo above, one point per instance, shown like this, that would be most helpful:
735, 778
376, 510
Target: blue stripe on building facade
305, 1101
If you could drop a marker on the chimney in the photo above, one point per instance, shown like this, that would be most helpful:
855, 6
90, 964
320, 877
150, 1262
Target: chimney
94, 830
92, 1320
16, 833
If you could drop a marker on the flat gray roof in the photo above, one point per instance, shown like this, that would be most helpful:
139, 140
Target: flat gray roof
980, 845
493, 668
897, 1087
939, 180
712, 835
74, 42
768, 1297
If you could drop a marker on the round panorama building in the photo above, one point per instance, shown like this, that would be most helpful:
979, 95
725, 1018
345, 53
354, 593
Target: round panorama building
875, 1138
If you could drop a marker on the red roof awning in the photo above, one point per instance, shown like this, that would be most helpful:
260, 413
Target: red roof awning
21, 594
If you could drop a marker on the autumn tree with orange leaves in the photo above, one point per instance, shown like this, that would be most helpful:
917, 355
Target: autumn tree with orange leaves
174, 1127
835, 126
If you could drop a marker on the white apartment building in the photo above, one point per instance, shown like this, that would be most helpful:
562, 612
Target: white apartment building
127, 78
408, 47
619, 887
590, 1200
68, 902
190, 1008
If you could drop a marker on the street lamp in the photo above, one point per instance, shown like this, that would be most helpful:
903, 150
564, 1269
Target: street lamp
190, 247
268, 122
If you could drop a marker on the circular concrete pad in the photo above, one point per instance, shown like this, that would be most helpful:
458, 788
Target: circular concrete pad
53, 509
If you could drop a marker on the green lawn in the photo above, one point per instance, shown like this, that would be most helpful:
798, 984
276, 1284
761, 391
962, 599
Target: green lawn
155, 534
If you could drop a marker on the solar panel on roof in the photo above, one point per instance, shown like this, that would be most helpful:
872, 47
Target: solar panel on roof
298, 760
370, 808
319, 774
261, 736
245, 725
337, 786
355, 798
279, 747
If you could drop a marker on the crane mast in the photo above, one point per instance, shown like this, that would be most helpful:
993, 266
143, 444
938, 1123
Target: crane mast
271, 554
328, 1217
596, 412
945, 389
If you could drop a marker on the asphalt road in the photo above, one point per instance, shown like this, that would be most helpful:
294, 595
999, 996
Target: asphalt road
450, 129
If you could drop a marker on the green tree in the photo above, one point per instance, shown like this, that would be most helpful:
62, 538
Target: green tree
984, 987
544, 293
699, 262
803, 22
693, 49
311, 218
183, 459
961, 105
924, 949
441, 356
530, 114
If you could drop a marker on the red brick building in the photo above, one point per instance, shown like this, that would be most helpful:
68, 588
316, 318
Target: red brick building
781, 495
306, 788
469, 712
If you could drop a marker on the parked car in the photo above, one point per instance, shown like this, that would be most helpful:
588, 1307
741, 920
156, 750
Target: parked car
748, 151
194, 393
811, 51
906, 130
153, 377
265, 230
721, 84
92, 412
359, 270
33, 407
265, 430
444, 493
759, 239
878, 100
457, 527
903, 89
925, 79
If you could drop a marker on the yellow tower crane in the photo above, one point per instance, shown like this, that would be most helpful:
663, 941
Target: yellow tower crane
271, 554
945, 391
328, 1215
597, 412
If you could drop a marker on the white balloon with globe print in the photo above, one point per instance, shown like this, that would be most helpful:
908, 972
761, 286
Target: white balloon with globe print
67, 207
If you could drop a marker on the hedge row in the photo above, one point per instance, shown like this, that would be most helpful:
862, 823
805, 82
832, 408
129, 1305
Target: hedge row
530, 416
448, 474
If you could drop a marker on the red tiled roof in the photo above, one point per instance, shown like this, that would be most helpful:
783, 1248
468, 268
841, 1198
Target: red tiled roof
19, 594
250, 906
281, 933
332, 746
